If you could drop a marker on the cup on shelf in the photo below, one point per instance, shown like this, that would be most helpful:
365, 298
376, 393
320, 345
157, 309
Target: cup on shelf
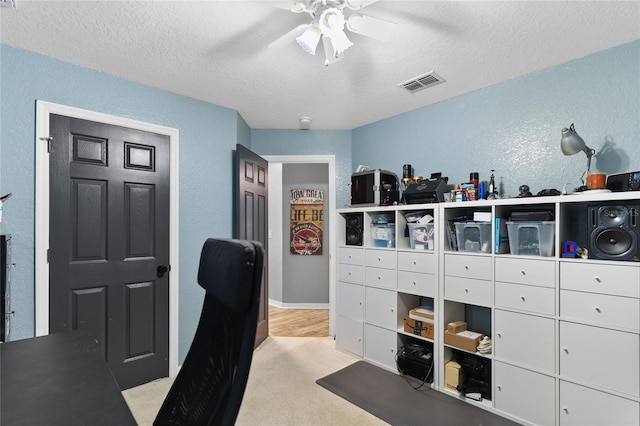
596, 180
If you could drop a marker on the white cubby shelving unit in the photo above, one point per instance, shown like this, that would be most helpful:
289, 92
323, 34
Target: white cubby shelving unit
565, 330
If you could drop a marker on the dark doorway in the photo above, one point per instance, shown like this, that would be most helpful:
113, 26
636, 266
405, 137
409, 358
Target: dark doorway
109, 243
250, 218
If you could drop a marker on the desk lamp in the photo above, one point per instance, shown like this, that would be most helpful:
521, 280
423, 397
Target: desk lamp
571, 143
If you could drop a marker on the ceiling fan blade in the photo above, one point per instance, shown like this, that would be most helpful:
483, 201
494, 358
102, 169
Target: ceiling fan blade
291, 6
370, 27
289, 37
358, 4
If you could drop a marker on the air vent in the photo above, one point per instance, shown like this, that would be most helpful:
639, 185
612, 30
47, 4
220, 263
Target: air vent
422, 82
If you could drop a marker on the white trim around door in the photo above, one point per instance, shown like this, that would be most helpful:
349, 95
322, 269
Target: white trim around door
43, 111
330, 160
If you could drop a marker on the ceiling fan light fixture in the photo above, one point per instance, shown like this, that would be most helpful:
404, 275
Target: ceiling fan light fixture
309, 39
340, 42
331, 55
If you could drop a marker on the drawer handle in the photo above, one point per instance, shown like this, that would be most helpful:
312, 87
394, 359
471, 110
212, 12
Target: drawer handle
414, 283
393, 350
499, 335
566, 410
598, 280
379, 260
349, 256
499, 387
466, 267
349, 273
379, 277
522, 297
597, 309
415, 263
391, 310
523, 273
566, 350
466, 290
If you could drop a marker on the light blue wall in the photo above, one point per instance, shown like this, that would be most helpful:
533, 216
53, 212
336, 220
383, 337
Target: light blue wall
310, 142
514, 127
208, 135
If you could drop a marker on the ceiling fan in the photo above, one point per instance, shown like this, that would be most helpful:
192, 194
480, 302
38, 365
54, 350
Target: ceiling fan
328, 23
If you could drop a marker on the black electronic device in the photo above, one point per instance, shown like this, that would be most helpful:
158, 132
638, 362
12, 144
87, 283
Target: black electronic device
477, 375
354, 229
374, 188
624, 182
613, 232
426, 191
415, 361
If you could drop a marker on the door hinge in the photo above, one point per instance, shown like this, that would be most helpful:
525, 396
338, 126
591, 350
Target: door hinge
49, 139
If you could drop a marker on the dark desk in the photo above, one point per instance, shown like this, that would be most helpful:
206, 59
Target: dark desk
59, 379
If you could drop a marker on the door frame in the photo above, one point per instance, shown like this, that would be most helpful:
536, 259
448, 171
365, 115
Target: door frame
43, 111
275, 195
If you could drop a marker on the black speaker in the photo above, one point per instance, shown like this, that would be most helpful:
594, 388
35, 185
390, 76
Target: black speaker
354, 229
613, 232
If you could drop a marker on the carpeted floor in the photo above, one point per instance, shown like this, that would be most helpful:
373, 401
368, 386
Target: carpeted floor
389, 397
281, 390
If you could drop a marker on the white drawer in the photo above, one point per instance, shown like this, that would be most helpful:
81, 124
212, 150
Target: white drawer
600, 309
600, 357
350, 300
379, 277
617, 280
351, 273
529, 298
526, 271
512, 383
525, 339
381, 258
380, 308
415, 283
475, 292
417, 262
477, 267
580, 406
351, 255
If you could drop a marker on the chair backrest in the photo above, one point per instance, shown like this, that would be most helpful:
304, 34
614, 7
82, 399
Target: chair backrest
210, 385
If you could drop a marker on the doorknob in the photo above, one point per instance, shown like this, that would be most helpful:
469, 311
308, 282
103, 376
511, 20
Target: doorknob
163, 269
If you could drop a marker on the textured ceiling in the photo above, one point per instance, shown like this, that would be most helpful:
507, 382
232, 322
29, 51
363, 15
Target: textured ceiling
216, 51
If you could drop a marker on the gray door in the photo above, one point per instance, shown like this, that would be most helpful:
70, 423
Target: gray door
109, 243
250, 219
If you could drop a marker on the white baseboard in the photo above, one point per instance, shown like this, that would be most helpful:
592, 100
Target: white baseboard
281, 305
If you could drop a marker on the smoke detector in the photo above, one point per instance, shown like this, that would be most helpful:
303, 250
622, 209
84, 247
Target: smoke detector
305, 123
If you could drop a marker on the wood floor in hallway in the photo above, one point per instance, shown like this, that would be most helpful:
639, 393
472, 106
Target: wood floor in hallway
298, 322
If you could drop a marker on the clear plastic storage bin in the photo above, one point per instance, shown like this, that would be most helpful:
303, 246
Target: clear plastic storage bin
421, 236
474, 236
531, 238
384, 235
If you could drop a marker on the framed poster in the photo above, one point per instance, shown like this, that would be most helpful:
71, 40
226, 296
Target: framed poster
306, 221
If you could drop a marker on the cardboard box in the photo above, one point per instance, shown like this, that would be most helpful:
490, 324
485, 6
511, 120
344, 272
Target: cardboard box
456, 326
467, 340
419, 328
452, 376
421, 313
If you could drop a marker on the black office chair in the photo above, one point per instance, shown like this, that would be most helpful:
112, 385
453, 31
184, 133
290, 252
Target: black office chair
209, 387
